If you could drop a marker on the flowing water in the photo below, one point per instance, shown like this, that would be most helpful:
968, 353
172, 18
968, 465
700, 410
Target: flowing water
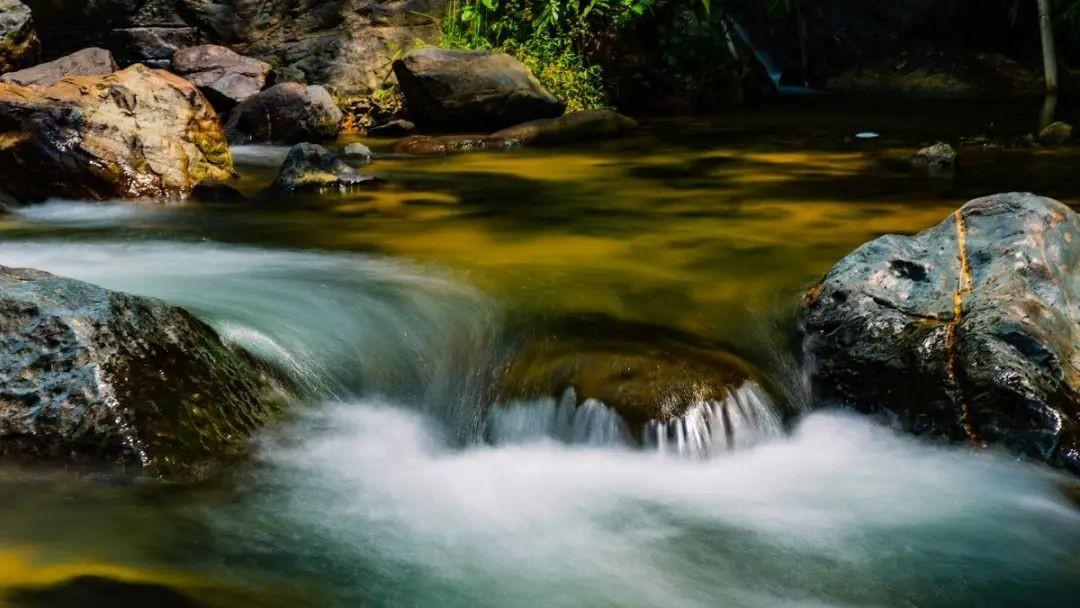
401, 483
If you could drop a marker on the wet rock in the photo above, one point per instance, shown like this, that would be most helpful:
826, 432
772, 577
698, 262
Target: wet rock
19, 45
226, 78
285, 113
138, 133
87, 62
471, 90
312, 168
446, 144
393, 128
938, 157
88, 375
967, 330
98, 592
643, 372
217, 192
358, 151
1056, 134
574, 127
153, 46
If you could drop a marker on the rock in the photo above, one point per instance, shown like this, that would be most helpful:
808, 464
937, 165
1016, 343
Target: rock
90, 591
87, 62
358, 151
588, 125
1056, 134
153, 46
643, 372
19, 45
570, 128
446, 144
217, 192
138, 133
285, 113
968, 330
312, 168
938, 157
224, 77
393, 128
471, 90
89, 375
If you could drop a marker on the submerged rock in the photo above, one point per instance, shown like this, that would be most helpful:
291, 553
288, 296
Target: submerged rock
225, 77
967, 330
19, 45
90, 375
586, 125
393, 128
137, 133
645, 373
1056, 134
938, 157
285, 113
310, 167
87, 62
471, 90
90, 591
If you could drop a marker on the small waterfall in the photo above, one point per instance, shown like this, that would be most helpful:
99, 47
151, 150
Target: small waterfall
743, 418
591, 423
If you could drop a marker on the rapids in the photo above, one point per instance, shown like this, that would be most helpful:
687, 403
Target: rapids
400, 481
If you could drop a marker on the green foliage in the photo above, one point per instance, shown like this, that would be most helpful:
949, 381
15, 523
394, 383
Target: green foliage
557, 39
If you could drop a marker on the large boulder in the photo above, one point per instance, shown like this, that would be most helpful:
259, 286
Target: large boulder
87, 62
312, 168
967, 330
19, 46
138, 133
285, 113
471, 90
225, 77
88, 376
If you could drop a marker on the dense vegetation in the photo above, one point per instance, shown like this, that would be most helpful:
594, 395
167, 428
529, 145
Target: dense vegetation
563, 41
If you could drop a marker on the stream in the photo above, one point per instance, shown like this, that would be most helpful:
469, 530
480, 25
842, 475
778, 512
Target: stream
398, 482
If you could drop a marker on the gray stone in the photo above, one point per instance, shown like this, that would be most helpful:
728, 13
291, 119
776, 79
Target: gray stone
967, 330
471, 90
312, 168
285, 113
19, 45
225, 77
87, 62
88, 375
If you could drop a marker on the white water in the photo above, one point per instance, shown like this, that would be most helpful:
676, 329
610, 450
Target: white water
842, 513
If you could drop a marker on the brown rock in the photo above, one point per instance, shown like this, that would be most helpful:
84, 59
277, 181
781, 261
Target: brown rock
137, 133
19, 46
286, 113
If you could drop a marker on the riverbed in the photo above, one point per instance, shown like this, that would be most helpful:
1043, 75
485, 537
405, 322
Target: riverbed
394, 308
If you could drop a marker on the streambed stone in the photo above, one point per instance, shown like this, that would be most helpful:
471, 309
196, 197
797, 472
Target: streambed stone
643, 372
87, 62
225, 77
313, 168
89, 375
285, 113
970, 330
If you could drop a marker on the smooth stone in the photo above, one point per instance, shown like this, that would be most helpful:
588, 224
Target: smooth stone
225, 77
285, 113
471, 90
